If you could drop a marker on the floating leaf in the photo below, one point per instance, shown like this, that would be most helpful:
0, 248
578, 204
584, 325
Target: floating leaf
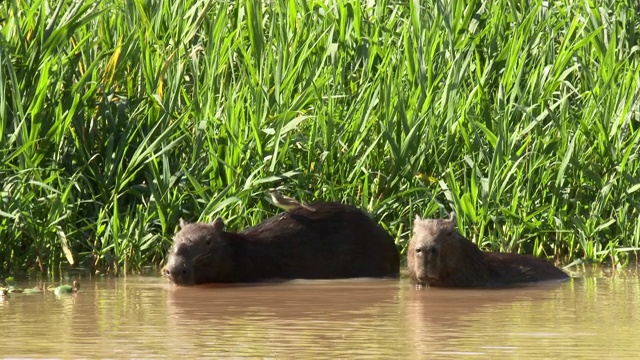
66, 289
63, 289
31, 291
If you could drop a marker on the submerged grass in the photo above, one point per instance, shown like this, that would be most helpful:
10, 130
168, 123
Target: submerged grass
120, 117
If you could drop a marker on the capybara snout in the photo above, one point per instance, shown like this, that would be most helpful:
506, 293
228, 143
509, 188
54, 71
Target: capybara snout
426, 262
177, 273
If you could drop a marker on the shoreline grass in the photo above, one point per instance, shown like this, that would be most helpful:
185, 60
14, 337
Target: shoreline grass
120, 117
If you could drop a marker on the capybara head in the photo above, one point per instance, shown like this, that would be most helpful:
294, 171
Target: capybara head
436, 250
200, 253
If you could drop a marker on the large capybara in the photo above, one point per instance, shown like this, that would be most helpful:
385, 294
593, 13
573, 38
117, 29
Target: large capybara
439, 256
335, 241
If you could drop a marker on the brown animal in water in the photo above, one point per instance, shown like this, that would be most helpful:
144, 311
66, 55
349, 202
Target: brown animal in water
335, 241
439, 256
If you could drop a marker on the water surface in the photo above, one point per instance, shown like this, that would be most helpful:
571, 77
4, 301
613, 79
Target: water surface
594, 316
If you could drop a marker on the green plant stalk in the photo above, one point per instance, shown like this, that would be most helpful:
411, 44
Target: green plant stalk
119, 118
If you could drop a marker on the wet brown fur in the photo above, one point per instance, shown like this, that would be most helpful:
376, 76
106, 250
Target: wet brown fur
439, 256
335, 241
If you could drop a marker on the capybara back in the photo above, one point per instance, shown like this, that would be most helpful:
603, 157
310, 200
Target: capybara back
335, 241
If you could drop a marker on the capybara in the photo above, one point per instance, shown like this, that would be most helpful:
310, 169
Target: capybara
439, 256
335, 241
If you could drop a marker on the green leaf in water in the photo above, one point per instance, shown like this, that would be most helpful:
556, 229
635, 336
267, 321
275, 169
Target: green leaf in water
63, 289
31, 291
67, 289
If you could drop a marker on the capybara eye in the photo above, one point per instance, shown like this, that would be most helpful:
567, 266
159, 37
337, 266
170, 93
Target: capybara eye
418, 250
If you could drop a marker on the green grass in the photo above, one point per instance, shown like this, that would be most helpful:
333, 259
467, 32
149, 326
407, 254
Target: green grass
120, 117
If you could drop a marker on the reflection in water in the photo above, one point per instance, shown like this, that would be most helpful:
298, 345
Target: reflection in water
469, 322
301, 317
588, 317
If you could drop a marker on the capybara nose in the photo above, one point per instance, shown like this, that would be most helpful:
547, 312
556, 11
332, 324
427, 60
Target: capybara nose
174, 272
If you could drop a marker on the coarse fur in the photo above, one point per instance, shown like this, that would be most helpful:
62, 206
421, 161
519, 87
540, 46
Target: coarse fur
335, 241
439, 256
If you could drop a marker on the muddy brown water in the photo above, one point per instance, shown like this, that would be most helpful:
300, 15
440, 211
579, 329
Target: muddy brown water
594, 316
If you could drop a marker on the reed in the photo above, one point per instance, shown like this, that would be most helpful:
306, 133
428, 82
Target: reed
118, 117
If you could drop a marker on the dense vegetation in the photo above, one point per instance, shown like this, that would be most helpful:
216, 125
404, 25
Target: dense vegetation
118, 117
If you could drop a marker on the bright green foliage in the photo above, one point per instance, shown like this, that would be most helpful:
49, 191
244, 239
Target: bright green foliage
120, 117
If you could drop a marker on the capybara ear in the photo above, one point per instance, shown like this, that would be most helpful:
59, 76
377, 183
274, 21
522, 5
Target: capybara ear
417, 218
452, 218
182, 223
218, 224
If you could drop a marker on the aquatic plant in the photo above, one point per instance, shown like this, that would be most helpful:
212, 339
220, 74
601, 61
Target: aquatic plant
120, 117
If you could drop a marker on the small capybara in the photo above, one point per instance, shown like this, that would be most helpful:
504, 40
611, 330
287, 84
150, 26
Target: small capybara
335, 241
439, 256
